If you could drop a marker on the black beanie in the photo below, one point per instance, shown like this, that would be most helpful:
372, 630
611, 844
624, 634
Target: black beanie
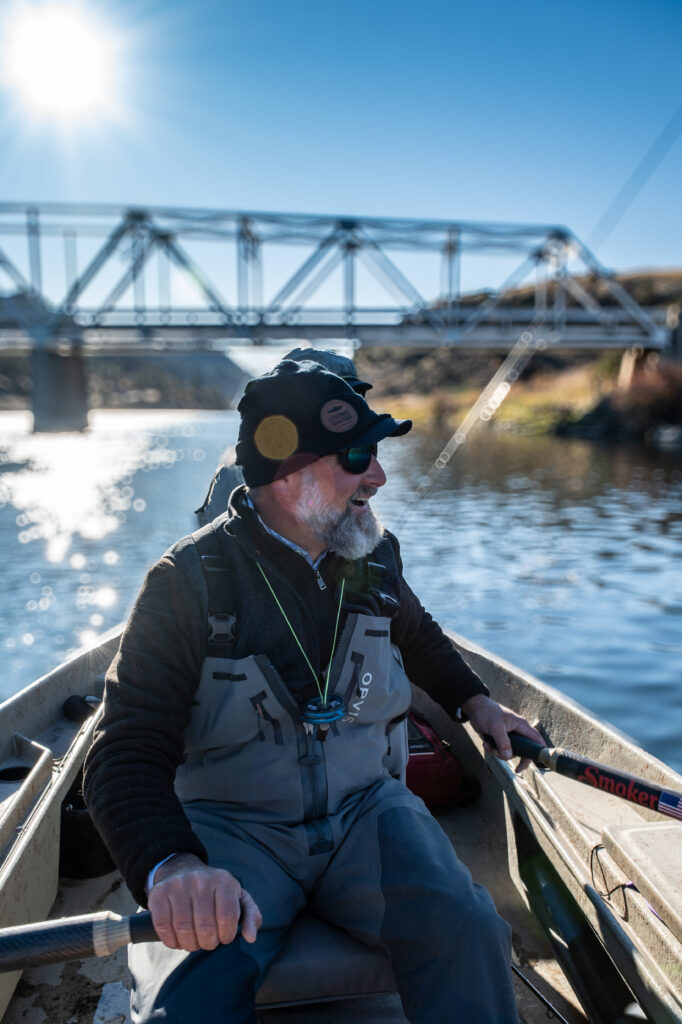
298, 413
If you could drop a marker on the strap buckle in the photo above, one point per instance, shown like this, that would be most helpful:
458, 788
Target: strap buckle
221, 628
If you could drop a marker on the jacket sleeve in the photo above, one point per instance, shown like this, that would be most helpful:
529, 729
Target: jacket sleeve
430, 657
130, 769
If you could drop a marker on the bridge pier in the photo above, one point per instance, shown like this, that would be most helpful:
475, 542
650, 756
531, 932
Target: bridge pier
60, 400
631, 361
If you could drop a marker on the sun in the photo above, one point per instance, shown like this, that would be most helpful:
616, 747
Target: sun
59, 61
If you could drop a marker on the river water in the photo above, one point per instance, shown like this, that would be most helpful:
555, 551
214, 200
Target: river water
565, 557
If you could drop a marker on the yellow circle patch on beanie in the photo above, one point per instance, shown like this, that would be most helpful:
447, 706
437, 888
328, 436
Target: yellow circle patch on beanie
276, 437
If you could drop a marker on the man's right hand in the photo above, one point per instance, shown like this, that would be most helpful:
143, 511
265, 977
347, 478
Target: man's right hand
194, 906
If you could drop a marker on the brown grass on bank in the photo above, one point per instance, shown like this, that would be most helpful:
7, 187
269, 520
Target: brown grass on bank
584, 399
534, 405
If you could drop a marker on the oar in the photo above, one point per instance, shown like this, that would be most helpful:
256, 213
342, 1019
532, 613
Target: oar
599, 776
71, 938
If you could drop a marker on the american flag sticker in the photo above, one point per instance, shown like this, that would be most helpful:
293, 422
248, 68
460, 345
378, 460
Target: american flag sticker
670, 803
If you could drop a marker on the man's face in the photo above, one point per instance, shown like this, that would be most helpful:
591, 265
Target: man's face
334, 504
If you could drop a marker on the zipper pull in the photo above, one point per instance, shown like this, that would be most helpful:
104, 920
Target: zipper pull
320, 582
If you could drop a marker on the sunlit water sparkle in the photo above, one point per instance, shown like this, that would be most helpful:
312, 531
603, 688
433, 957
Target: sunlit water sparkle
562, 556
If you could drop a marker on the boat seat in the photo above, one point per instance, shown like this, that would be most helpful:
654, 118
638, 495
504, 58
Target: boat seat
342, 967
649, 855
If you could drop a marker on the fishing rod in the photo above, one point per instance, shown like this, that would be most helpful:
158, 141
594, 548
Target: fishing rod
549, 1007
599, 776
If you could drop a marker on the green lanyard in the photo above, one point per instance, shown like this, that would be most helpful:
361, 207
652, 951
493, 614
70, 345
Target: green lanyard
323, 695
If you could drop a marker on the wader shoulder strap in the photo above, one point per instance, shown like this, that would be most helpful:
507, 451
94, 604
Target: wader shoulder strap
217, 570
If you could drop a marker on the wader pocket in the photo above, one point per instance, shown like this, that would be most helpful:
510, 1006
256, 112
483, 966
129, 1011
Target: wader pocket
232, 706
241, 744
395, 758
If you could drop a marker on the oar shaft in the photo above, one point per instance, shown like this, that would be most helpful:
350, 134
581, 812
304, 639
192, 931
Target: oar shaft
71, 938
600, 776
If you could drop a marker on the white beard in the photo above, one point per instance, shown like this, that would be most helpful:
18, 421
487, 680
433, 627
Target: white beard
348, 535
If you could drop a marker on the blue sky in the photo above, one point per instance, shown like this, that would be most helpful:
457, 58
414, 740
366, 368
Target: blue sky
489, 111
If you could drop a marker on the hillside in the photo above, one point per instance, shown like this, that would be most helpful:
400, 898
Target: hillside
647, 287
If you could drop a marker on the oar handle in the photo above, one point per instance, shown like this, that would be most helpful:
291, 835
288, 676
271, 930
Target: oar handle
71, 938
525, 747
599, 776
521, 745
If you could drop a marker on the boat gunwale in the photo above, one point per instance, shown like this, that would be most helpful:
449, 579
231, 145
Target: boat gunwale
540, 810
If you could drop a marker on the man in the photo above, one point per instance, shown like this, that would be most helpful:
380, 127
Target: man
246, 762
227, 476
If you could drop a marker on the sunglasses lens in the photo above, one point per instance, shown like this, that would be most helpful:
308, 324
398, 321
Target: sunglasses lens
357, 460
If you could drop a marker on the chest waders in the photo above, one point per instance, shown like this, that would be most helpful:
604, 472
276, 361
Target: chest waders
248, 744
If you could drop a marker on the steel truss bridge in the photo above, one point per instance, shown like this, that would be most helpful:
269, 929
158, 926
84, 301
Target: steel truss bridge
126, 275
79, 279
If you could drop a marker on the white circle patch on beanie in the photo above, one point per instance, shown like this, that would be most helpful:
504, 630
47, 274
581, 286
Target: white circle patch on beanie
338, 416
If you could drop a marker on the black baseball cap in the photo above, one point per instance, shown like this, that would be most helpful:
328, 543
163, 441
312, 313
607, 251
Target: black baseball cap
342, 366
297, 414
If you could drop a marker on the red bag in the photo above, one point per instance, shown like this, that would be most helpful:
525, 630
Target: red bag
433, 771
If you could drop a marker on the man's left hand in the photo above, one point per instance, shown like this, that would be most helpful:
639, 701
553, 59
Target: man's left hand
487, 716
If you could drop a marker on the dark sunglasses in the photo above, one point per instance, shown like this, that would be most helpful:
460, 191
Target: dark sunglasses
356, 460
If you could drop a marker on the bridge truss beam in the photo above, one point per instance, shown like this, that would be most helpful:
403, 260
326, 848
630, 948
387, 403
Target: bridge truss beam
113, 301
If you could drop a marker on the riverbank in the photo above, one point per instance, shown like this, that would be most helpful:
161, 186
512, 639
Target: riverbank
563, 394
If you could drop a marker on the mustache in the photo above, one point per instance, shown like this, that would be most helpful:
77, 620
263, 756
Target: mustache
364, 493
